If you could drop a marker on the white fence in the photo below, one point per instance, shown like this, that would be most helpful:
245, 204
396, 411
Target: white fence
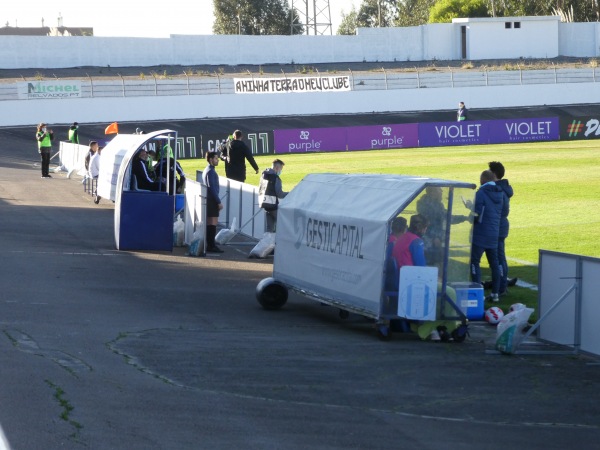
569, 301
211, 84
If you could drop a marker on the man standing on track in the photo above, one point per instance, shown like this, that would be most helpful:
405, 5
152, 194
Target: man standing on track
44, 137
237, 154
210, 178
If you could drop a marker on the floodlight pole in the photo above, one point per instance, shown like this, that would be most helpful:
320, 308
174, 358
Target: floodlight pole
313, 15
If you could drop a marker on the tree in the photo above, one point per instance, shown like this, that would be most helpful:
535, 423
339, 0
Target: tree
255, 17
583, 10
413, 12
446, 10
376, 13
348, 23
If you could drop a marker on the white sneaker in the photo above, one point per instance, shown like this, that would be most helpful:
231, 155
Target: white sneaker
435, 336
492, 298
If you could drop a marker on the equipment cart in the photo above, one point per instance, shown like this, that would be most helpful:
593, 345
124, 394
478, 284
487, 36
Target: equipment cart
332, 247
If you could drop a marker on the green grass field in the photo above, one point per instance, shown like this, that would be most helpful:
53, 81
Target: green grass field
556, 205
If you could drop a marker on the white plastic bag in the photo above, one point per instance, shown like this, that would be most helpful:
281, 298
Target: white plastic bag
178, 232
225, 235
264, 247
509, 332
197, 245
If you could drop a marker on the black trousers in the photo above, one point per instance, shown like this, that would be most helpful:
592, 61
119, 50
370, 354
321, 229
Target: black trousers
45, 154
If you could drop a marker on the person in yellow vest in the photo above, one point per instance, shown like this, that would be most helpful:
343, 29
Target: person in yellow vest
44, 137
74, 133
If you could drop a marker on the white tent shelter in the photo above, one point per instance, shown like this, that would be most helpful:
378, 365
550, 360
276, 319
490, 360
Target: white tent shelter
332, 233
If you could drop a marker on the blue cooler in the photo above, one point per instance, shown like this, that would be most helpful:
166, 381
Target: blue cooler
179, 202
469, 298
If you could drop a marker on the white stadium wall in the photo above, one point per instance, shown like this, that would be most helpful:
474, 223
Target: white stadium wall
440, 42
511, 37
579, 39
123, 109
538, 37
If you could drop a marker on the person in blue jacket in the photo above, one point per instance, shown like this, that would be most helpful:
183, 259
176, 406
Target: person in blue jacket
210, 178
498, 169
490, 205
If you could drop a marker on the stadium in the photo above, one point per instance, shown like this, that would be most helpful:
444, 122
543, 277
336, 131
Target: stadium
157, 349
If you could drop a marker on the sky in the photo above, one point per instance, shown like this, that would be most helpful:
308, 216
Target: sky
129, 18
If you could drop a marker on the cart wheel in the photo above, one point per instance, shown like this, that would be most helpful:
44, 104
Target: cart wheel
344, 314
271, 294
460, 334
383, 332
97, 199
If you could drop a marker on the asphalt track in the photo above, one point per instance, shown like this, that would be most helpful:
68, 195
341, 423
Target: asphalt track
104, 349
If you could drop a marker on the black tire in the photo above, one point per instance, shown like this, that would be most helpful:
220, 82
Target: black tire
271, 294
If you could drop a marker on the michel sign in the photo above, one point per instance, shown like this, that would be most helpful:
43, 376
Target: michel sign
49, 89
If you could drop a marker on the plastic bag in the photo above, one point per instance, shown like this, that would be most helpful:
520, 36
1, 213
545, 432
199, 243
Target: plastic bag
509, 332
178, 232
226, 234
264, 247
197, 245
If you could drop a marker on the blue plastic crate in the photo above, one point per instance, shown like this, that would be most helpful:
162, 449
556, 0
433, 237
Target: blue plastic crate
470, 299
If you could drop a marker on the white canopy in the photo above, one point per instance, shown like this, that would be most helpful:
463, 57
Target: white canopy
121, 147
332, 232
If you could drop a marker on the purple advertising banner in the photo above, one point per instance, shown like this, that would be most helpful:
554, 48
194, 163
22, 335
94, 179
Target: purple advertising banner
437, 134
306, 140
383, 137
434, 134
523, 130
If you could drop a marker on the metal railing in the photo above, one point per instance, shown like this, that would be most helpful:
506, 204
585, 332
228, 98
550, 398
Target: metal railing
383, 79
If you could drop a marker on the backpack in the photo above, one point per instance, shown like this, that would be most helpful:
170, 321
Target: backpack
224, 150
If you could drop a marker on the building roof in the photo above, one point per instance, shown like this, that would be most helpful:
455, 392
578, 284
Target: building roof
46, 31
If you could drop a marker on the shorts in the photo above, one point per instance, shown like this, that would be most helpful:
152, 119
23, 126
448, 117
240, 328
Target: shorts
212, 208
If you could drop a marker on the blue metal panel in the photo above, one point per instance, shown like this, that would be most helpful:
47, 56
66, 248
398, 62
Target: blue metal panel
146, 221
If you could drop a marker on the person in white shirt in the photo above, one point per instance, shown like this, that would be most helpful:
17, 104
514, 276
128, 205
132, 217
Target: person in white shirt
94, 169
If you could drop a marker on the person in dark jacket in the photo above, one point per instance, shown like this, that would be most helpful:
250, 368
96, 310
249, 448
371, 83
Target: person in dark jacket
168, 164
498, 169
461, 114
237, 154
210, 178
489, 207
139, 169
270, 190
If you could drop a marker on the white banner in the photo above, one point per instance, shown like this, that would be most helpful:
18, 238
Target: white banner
49, 89
291, 84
